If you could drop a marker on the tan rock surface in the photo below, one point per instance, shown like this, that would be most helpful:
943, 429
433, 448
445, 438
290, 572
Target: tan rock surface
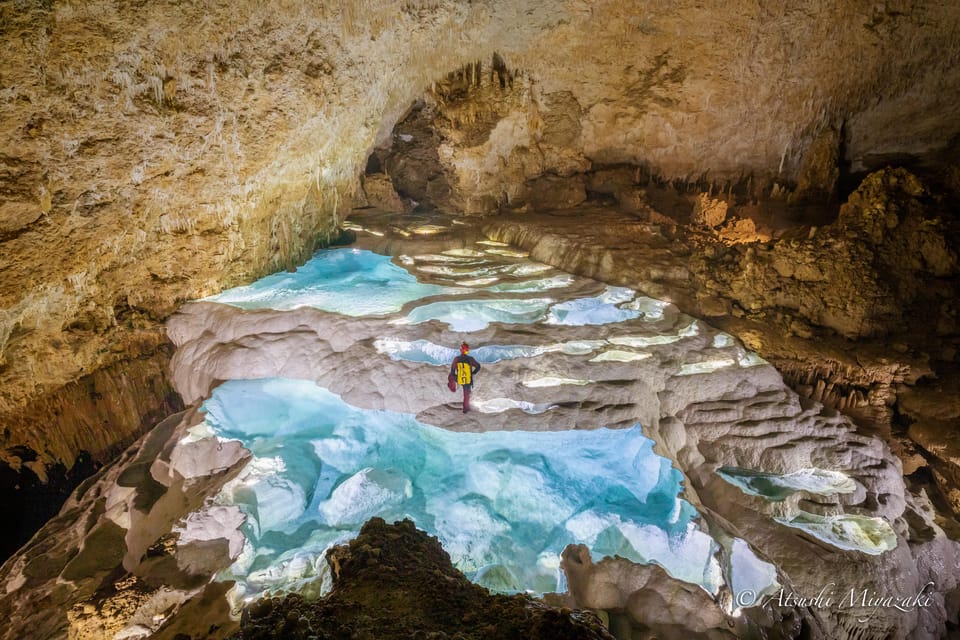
668, 607
708, 212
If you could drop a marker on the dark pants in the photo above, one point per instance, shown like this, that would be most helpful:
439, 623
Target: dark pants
466, 397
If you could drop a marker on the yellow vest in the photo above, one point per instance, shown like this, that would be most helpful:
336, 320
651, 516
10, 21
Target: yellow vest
464, 373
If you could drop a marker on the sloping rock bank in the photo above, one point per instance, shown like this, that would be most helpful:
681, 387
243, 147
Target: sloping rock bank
66, 434
396, 582
123, 556
853, 314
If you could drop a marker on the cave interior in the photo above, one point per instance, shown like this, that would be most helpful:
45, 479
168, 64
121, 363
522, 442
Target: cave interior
708, 261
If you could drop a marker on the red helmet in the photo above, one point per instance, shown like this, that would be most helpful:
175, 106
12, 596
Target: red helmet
464, 348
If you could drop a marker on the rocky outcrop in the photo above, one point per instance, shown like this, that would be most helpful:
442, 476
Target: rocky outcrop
855, 277
858, 275
379, 192
934, 412
819, 173
69, 432
886, 267
708, 212
396, 582
100, 413
123, 555
413, 166
652, 601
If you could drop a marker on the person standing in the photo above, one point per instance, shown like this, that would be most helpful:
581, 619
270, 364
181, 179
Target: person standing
462, 370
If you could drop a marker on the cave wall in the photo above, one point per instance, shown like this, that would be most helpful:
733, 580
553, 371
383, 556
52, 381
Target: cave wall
154, 153
66, 434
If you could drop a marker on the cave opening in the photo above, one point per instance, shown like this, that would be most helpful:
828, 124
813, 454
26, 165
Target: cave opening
496, 143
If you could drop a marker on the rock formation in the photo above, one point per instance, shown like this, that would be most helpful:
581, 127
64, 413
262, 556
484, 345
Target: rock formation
428, 598
113, 548
884, 273
668, 608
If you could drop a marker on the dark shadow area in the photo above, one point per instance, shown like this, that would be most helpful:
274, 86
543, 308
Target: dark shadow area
28, 502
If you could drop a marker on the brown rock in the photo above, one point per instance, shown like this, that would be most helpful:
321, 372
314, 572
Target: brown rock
15, 216
820, 168
550, 192
380, 193
708, 212
393, 582
714, 307
940, 439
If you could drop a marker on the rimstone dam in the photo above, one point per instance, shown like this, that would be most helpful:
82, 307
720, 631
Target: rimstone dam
706, 257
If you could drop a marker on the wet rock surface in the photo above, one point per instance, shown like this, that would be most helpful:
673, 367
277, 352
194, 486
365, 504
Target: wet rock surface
741, 417
651, 601
397, 583
110, 561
